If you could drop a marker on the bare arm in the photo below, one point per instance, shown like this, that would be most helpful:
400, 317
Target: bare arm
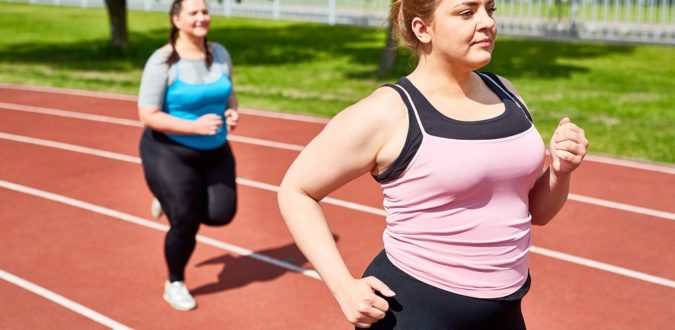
156, 119
568, 147
347, 148
232, 112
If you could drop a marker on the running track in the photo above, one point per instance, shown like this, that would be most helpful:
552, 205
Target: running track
79, 250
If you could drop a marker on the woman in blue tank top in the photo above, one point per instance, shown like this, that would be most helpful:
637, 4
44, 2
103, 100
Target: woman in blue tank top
187, 105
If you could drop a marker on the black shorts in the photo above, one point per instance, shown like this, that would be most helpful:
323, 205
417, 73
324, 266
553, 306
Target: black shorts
420, 306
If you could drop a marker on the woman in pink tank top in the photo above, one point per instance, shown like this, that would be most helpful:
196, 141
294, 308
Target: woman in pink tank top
462, 171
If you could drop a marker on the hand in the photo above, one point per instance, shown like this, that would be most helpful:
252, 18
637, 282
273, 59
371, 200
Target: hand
208, 124
568, 147
360, 304
231, 118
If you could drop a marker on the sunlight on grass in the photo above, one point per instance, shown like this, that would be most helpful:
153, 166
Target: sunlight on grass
620, 94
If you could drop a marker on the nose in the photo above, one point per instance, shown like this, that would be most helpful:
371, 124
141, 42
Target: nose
485, 19
202, 16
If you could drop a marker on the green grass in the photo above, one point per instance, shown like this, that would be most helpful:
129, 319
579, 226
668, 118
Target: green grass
621, 94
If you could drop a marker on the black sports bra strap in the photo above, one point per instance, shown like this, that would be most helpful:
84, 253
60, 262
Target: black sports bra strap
412, 141
493, 77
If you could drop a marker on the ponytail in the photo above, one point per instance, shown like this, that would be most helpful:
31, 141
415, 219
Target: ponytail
174, 57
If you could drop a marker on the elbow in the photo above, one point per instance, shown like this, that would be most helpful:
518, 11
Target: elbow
538, 221
143, 118
285, 195
539, 218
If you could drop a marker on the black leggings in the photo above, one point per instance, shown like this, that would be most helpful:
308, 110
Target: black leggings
193, 186
418, 305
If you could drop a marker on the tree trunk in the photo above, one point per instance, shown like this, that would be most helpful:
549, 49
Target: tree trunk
388, 59
117, 12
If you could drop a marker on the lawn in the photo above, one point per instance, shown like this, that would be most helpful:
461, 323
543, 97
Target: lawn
621, 94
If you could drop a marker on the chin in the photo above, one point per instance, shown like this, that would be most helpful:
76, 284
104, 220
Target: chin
200, 32
481, 62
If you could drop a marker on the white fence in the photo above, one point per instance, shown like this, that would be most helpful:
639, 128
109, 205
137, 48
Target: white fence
648, 21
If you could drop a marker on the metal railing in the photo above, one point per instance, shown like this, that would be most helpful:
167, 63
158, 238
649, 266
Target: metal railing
645, 21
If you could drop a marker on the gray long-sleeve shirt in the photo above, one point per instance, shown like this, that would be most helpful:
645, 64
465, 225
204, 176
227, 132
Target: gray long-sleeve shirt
157, 75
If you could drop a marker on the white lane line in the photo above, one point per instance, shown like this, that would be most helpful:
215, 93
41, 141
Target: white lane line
264, 143
644, 165
603, 266
70, 147
153, 225
327, 200
63, 301
122, 97
70, 114
622, 206
136, 123
68, 91
351, 205
559, 255
286, 116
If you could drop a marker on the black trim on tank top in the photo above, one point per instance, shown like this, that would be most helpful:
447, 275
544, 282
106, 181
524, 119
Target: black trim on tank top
512, 96
514, 120
511, 122
413, 140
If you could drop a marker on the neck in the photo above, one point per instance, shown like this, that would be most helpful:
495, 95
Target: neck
190, 45
434, 75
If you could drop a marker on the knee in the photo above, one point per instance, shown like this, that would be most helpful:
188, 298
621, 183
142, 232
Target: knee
221, 216
183, 232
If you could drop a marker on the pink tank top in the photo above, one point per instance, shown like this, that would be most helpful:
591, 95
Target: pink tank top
458, 216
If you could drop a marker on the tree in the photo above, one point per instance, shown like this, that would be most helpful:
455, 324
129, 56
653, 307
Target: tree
388, 59
117, 13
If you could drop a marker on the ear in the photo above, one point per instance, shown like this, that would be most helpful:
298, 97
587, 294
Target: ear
421, 30
174, 19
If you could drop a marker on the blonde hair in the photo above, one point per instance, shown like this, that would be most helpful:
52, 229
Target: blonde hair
402, 14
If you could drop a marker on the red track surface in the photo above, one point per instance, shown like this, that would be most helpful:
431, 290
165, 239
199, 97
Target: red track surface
116, 267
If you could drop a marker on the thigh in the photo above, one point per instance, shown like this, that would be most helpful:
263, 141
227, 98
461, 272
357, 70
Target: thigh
220, 176
175, 179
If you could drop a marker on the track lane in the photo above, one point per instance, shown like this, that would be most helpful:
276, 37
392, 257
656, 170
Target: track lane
567, 296
350, 231
28, 311
117, 268
260, 164
622, 186
600, 244
610, 294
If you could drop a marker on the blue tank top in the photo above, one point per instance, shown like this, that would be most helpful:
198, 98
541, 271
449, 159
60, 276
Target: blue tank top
190, 101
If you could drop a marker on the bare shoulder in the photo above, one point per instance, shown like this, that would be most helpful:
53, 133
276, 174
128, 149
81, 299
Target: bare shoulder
383, 106
368, 124
512, 88
509, 85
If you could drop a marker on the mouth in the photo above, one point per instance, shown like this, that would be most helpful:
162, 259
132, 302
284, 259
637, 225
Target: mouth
483, 42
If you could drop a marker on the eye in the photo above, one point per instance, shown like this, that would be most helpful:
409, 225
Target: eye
492, 10
466, 13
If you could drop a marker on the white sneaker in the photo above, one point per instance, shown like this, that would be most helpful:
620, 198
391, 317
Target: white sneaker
156, 209
177, 295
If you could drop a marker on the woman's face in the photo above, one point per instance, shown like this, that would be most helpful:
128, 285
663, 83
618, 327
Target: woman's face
193, 18
464, 31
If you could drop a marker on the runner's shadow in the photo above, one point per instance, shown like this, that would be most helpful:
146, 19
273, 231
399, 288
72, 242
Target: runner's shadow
239, 271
